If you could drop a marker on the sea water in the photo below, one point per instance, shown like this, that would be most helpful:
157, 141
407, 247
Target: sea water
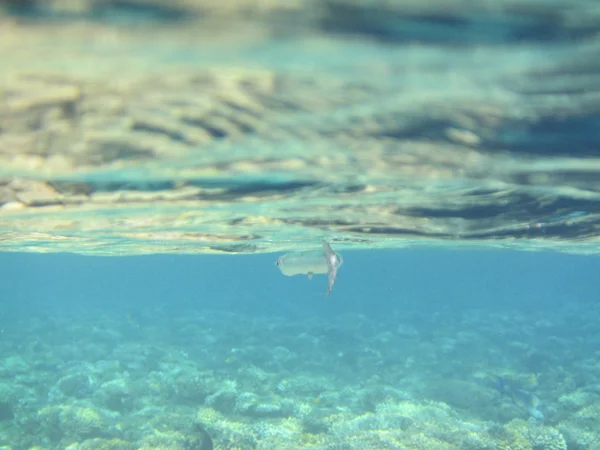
157, 158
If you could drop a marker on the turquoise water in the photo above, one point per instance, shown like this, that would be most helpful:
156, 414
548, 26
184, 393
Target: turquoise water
136, 352
156, 159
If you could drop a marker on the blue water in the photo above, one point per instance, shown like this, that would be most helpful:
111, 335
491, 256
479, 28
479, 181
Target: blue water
155, 161
387, 280
119, 352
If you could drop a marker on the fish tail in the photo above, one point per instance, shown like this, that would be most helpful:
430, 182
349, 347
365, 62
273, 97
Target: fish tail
330, 258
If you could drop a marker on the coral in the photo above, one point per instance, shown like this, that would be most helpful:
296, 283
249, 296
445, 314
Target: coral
272, 409
589, 415
428, 412
475, 441
256, 379
510, 440
113, 395
424, 442
208, 416
49, 419
9, 395
194, 386
80, 421
380, 431
224, 400
286, 431
578, 438
8, 392
11, 366
314, 424
576, 400
316, 406
304, 386
462, 394
72, 421
227, 433
131, 356
527, 435
545, 438
103, 444
76, 385
163, 439
231, 434
250, 404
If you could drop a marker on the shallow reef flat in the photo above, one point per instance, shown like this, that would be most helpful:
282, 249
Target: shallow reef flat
125, 380
248, 127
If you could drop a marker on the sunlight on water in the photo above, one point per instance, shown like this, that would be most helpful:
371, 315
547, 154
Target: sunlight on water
368, 124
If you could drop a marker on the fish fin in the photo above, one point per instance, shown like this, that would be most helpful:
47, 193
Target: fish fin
330, 280
310, 274
331, 259
327, 250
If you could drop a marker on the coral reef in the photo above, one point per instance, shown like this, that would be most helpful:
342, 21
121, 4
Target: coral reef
154, 391
72, 422
526, 436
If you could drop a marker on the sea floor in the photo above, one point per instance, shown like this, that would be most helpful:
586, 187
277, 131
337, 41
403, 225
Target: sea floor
160, 378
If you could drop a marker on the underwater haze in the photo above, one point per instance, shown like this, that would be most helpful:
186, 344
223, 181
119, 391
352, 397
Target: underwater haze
299, 224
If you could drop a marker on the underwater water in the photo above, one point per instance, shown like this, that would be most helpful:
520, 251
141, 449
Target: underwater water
299, 224
407, 352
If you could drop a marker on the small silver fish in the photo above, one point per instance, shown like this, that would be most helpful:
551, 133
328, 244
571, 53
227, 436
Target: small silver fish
311, 262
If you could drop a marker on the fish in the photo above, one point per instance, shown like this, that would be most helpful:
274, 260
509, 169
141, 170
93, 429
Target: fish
199, 438
524, 400
311, 262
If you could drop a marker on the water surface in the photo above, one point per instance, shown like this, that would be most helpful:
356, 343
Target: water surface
371, 125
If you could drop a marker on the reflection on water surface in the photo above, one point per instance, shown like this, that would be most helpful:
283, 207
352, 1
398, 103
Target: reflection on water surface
193, 127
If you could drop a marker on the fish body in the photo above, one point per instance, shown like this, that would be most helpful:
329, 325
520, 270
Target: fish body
524, 400
302, 263
312, 262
